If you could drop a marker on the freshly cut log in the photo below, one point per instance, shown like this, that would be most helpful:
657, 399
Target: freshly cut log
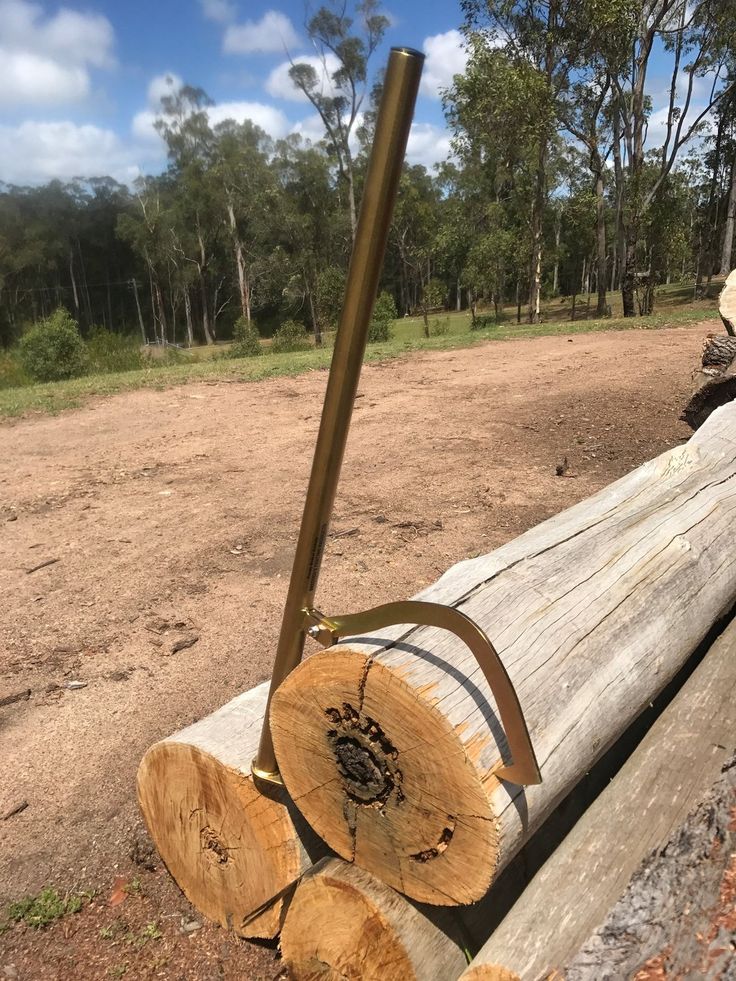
677, 919
390, 745
344, 923
233, 850
727, 303
667, 775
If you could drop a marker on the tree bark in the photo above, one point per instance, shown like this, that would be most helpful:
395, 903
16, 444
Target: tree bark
233, 850
727, 250
344, 923
668, 773
677, 918
600, 212
390, 746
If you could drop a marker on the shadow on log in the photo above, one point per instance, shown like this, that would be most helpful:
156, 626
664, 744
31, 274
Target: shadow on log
715, 381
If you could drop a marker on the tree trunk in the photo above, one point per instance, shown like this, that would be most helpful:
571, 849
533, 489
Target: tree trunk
727, 250
205, 309
391, 746
669, 772
188, 316
74, 284
600, 211
344, 923
233, 850
243, 287
134, 284
628, 274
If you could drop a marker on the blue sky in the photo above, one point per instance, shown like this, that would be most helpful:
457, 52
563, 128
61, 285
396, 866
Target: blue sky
79, 83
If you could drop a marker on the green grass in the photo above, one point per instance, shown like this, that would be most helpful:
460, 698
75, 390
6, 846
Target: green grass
41, 910
54, 397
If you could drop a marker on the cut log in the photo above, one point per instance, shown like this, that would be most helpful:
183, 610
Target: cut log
727, 303
390, 745
715, 383
677, 919
344, 923
666, 776
342, 919
233, 850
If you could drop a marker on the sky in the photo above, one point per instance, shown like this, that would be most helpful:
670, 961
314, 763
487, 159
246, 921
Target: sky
79, 84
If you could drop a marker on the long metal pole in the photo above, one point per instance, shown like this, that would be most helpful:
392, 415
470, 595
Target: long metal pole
379, 196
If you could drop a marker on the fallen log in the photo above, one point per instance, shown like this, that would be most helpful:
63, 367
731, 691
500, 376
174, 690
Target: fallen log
390, 745
727, 303
677, 919
715, 382
667, 775
233, 849
344, 923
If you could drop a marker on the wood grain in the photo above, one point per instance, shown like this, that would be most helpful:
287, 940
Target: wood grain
389, 745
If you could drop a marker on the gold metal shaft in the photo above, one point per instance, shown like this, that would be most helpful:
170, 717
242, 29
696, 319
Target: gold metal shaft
379, 196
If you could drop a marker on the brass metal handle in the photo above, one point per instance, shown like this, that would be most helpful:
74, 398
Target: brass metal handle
524, 768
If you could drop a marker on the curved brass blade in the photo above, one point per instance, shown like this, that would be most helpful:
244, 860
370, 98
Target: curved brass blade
326, 630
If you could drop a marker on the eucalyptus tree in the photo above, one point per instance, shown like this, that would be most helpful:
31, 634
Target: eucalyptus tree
344, 46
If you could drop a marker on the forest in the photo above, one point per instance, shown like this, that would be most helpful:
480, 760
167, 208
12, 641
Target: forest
563, 180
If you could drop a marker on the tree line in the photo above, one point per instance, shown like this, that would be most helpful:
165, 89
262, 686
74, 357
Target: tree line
555, 186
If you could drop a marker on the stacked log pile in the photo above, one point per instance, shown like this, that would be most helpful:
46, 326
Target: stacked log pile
715, 381
390, 746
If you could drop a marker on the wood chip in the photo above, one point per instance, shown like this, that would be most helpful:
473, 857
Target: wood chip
183, 642
18, 696
75, 685
16, 809
41, 565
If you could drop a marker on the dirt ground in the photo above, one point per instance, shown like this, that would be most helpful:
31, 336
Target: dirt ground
165, 515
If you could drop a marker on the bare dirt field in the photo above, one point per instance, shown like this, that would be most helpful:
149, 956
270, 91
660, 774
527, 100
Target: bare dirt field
154, 517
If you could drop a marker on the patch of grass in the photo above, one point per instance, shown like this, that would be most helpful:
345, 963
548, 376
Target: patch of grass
49, 905
56, 396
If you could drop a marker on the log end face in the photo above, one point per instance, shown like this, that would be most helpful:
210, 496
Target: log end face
384, 778
229, 849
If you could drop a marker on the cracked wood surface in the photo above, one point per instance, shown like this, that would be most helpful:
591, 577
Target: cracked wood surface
592, 612
667, 775
233, 851
344, 923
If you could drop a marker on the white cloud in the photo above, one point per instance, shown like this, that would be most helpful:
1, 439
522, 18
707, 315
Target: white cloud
37, 152
46, 60
446, 57
270, 119
274, 32
163, 85
279, 85
311, 128
428, 144
220, 11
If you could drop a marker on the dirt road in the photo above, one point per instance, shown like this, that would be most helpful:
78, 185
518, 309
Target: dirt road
173, 514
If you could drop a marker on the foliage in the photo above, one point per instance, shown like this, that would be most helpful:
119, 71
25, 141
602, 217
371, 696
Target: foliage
384, 314
329, 295
247, 340
12, 373
49, 905
53, 348
290, 336
113, 352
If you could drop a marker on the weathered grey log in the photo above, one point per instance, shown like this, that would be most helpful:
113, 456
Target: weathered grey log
233, 850
669, 772
592, 612
727, 303
715, 383
677, 918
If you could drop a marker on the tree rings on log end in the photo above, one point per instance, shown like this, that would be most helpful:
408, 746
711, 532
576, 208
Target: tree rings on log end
232, 851
343, 923
380, 773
